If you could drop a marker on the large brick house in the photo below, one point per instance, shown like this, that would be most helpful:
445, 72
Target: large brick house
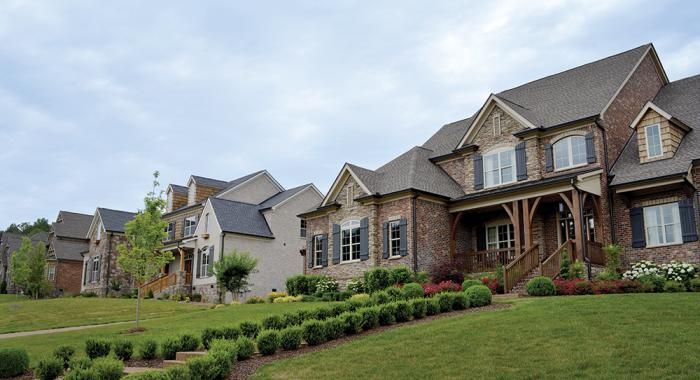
209, 218
67, 243
532, 173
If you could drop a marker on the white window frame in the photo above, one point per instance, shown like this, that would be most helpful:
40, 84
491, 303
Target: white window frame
675, 223
95, 270
510, 230
317, 251
657, 127
302, 228
351, 227
51, 272
499, 167
191, 228
204, 265
496, 125
569, 152
394, 241
170, 231
206, 222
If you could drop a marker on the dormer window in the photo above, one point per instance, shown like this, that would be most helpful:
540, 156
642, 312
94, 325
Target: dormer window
570, 152
499, 167
653, 137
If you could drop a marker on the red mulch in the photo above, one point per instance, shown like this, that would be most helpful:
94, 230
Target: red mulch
245, 369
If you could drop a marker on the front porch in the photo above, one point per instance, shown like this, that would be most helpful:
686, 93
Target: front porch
175, 277
525, 230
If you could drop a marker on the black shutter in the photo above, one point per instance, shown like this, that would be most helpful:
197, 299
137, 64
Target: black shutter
478, 172
480, 238
403, 233
336, 244
212, 255
521, 161
385, 240
364, 239
90, 273
99, 268
637, 222
310, 261
548, 158
590, 148
199, 263
687, 214
184, 222
324, 250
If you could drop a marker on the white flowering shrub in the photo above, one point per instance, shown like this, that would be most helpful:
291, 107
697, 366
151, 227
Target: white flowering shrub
642, 268
326, 284
356, 285
681, 272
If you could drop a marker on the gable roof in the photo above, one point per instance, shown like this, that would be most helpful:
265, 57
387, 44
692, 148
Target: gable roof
114, 220
445, 140
283, 196
680, 99
217, 183
69, 250
178, 188
240, 218
72, 225
239, 181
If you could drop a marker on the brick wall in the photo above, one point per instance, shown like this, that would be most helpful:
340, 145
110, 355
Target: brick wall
68, 277
433, 235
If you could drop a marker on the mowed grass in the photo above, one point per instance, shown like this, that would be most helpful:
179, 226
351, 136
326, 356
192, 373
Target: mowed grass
642, 336
18, 314
4, 298
187, 322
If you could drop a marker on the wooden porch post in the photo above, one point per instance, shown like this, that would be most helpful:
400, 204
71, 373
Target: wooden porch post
182, 259
528, 215
514, 213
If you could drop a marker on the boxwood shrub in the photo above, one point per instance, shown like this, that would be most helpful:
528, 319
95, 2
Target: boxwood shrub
65, 353
413, 290
250, 328
445, 301
148, 349
370, 317
224, 349
333, 328
292, 319
377, 279
108, 368
540, 287
290, 338
387, 314
178, 372
82, 374
395, 294
469, 283
460, 301
80, 363
150, 375
321, 313
653, 282
339, 308
432, 306
188, 342
95, 348
419, 306
380, 297
352, 322
400, 274
313, 332
123, 349
170, 346
479, 295
246, 348
49, 368
273, 322
203, 368
674, 287
403, 311
695, 285
268, 342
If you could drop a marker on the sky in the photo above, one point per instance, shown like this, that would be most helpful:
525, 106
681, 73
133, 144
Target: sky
97, 95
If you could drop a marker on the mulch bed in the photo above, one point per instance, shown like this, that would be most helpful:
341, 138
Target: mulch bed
155, 363
245, 369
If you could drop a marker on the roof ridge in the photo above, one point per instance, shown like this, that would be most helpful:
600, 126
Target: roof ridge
239, 202
647, 45
111, 209
75, 213
682, 80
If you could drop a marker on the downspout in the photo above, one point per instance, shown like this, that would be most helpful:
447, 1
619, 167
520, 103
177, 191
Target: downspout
414, 233
109, 262
221, 251
611, 209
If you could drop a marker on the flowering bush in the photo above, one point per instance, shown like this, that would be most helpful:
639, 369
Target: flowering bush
274, 295
579, 286
681, 272
642, 268
356, 285
492, 284
326, 284
288, 299
445, 286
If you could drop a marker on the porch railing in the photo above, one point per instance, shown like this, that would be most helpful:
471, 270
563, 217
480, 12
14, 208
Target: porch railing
551, 266
595, 252
520, 267
159, 284
488, 260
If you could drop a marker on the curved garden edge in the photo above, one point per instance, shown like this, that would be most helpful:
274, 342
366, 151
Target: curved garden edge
245, 369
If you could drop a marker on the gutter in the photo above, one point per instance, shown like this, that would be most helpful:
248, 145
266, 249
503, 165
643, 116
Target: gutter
221, 251
415, 233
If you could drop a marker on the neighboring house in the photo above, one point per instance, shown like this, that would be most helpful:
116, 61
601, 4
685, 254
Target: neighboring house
9, 244
516, 184
64, 256
253, 214
100, 272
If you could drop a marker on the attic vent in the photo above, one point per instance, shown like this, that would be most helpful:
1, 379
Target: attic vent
496, 125
350, 196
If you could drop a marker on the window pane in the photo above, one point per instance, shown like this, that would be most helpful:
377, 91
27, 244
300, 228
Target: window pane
491, 162
653, 135
507, 174
491, 237
578, 150
507, 158
561, 154
653, 235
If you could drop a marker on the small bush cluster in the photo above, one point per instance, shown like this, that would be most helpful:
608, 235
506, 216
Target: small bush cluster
478, 295
274, 295
211, 333
95, 348
48, 368
541, 286
13, 362
254, 300
444, 286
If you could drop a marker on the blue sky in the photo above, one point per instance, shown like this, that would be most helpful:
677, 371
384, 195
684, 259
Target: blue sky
95, 96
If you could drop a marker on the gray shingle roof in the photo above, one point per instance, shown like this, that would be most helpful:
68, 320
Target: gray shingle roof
447, 138
241, 218
72, 225
179, 188
219, 184
573, 94
69, 250
114, 220
233, 183
281, 197
681, 99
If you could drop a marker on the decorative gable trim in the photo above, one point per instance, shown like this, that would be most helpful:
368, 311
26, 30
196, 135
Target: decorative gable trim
345, 172
96, 221
660, 111
491, 102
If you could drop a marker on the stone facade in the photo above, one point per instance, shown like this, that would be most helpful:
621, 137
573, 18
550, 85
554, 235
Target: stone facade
106, 250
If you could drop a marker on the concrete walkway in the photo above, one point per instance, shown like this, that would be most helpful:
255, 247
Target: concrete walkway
60, 330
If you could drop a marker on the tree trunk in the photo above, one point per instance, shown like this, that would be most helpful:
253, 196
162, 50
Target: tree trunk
138, 305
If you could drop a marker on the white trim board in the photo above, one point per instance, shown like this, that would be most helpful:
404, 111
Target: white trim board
484, 112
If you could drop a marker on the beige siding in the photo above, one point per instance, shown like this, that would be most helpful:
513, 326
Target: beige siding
671, 136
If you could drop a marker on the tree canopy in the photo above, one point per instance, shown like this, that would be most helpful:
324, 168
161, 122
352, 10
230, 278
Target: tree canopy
28, 229
233, 270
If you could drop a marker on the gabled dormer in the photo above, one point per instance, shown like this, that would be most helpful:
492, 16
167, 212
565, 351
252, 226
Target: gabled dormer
659, 134
201, 188
177, 197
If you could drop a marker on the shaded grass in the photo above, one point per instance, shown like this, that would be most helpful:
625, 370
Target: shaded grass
4, 298
614, 336
187, 322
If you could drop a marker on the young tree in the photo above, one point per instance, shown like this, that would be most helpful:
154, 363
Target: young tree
142, 257
232, 272
19, 265
37, 284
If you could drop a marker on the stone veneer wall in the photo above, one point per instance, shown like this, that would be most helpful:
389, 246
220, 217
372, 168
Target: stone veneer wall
109, 270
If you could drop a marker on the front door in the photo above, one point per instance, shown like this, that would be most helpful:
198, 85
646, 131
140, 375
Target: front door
567, 230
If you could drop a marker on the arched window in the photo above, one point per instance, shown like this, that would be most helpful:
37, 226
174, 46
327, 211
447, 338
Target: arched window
570, 152
350, 240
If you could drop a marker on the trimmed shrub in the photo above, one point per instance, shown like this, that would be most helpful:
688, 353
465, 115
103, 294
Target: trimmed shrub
432, 306
387, 314
479, 295
338, 309
273, 322
403, 311
209, 334
674, 287
461, 301
695, 285
188, 342
352, 322
313, 332
203, 368
380, 297
148, 349
95, 348
400, 274
654, 282
321, 313
377, 279
108, 368
360, 298
290, 338
178, 372
49, 368
225, 352
268, 342
469, 283
369, 317
123, 349
419, 307
65, 353
291, 319
223, 362
80, 363
246, 348
333, 328
149, 375
445, 301
413, 290
230, 332
583, 288
82, 374
395, 293
540, 286
250, 329
170, 346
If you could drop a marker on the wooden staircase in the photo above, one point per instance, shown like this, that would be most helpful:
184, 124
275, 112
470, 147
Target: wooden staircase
528, 266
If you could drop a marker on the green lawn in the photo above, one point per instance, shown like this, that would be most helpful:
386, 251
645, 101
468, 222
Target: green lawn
186, 322
27, 315
4, 298
601, 337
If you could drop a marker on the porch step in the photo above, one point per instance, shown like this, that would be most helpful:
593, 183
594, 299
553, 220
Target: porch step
170, 363
183, 356
519, 288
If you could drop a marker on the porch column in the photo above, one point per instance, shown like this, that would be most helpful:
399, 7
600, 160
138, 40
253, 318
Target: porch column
574, 205
528, 214
182, 259
513, 212
453, 234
